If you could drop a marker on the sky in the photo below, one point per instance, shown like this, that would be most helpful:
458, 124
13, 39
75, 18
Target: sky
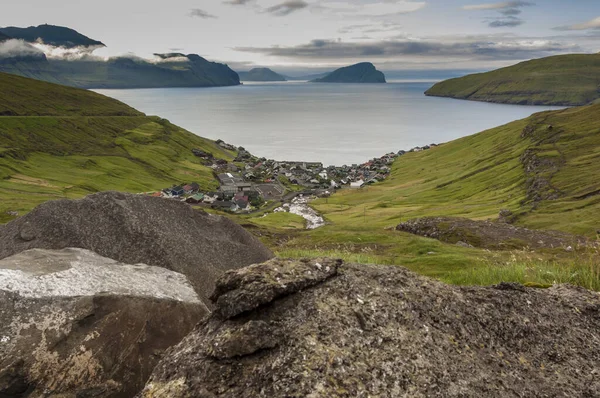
317, 35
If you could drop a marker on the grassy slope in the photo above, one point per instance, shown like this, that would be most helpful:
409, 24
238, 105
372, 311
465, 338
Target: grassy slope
558, 80
85, 143
473, 177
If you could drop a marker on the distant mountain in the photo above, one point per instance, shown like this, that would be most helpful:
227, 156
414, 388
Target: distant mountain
308, 77
365, 72
174, 70
261, 75
4, 37
57, 36
564, 80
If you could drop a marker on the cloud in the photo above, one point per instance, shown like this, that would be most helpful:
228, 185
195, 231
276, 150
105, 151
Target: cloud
237, 2
287, 7
466, 48
510, 22
381, 8
13, 48
499, 6
198, 13
594, 24
508, 9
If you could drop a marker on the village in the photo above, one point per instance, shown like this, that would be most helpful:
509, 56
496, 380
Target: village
249, 182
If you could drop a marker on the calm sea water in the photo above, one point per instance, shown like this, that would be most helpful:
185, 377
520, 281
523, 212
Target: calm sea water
330, 123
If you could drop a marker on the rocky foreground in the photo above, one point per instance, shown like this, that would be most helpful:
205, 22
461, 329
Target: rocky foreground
119, 295
320, 328
93, 291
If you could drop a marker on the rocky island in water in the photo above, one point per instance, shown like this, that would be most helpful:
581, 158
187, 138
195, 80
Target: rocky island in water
364, 72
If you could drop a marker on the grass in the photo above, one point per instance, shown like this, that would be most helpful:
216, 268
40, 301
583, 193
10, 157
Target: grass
25, 97
581, 270
281, 220
72, 155
473, 177
558, 80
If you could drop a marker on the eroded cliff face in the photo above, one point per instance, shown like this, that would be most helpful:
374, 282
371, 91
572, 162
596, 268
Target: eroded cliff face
320, 328
75, 324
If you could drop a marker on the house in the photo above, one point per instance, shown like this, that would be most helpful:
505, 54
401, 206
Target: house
323, 175
187, 189
357, 184
209, 199
197, 198
177, 191
242, 203
229, 178
224, 205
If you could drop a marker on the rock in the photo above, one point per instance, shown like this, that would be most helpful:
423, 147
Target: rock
246, 289
488, 234
382, 331
75, 324
463, 244
139, 229
506, 216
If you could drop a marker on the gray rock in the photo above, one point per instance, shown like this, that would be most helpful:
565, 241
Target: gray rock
382, 331
139, 229
75, 324
248, 288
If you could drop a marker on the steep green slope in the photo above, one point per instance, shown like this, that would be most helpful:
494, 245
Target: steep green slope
83, 143
559, 80
544, 169
19, 96
364, 72
57, 36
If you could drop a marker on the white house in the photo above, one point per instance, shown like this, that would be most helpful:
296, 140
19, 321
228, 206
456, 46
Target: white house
357, 184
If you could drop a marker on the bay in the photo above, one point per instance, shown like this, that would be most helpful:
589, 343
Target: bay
330, 123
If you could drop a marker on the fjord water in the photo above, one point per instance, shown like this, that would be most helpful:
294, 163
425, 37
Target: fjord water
330, 123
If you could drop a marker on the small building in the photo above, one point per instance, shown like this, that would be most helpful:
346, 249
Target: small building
242, 203
357, 184
177, 191
197, 198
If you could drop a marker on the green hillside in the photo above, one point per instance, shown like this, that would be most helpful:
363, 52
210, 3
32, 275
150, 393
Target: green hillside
559, 80
65, 142
544, 169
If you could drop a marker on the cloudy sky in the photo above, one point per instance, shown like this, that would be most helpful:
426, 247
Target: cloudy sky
320, 34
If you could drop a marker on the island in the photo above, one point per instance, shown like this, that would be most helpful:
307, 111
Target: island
563, 80
261, 75
364, 72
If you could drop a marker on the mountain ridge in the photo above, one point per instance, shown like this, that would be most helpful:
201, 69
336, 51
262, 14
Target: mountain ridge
58, 36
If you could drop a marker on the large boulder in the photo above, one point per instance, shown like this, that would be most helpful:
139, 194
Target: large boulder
75, 324
139, 229
319, 328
